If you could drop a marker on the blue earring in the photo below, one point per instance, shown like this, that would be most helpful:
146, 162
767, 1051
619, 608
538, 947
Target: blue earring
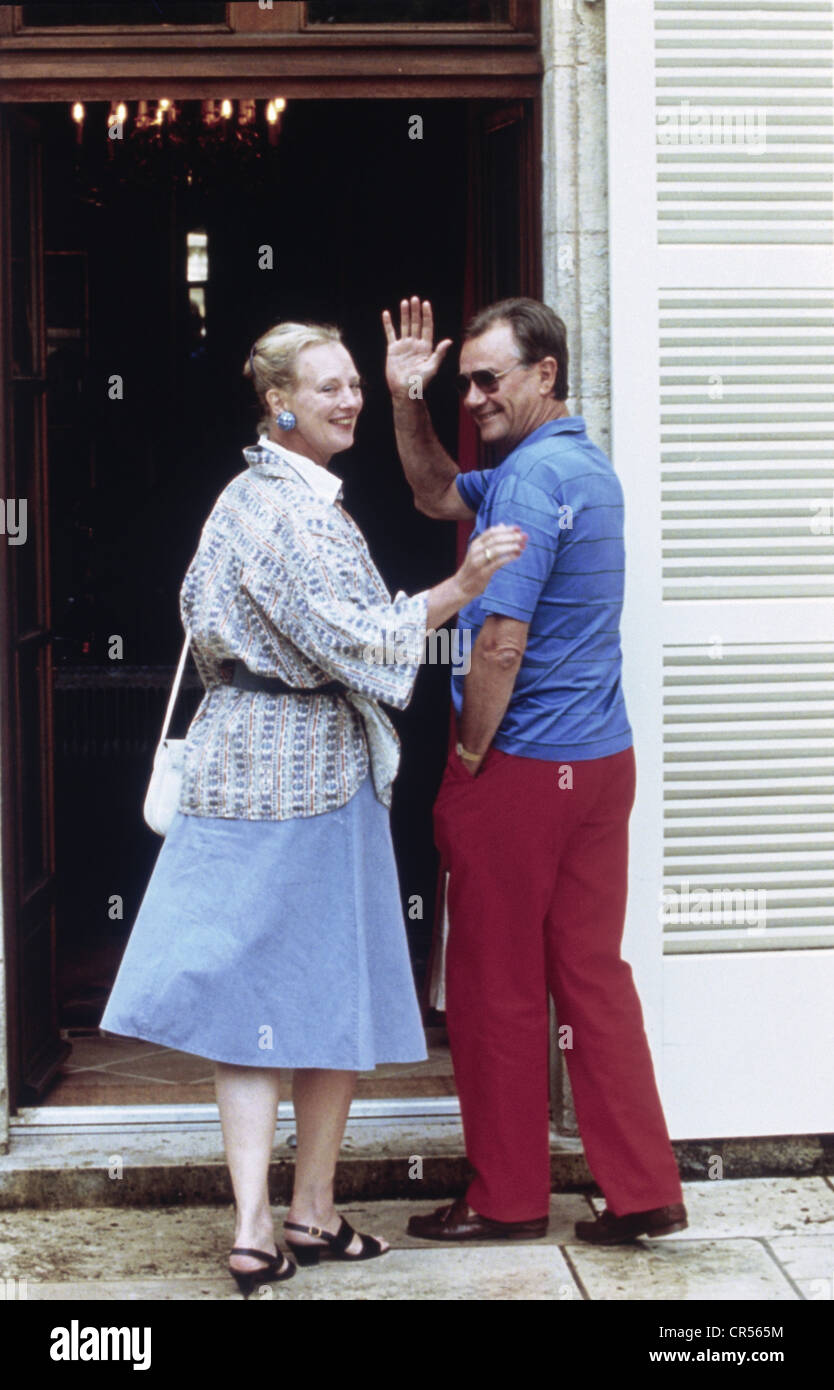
286, 420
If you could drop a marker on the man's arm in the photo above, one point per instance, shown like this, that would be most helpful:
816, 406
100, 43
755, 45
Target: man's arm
496, 658
428, 468
411, 364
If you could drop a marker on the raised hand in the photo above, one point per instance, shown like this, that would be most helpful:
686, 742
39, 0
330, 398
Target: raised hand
412, 359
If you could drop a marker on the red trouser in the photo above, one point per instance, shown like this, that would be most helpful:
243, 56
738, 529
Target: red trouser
537, 897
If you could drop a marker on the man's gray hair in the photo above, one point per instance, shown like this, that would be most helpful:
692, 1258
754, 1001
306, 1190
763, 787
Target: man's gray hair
538, 332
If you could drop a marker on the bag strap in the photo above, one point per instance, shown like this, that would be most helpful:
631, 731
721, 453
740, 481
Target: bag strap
175, 689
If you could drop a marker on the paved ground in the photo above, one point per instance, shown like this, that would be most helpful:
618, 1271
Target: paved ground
769, 1239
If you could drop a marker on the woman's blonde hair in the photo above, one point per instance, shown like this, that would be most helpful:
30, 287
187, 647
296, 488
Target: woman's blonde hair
273, 361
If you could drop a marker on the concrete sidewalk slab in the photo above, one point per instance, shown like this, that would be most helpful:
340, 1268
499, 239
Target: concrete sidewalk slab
756, 1239
756, 1207
181, 1254
173, 1288
487, 1274
809, 1261
121, 1244
706, 1270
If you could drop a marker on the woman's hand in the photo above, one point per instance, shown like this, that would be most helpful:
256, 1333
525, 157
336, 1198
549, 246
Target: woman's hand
487, 553
497, 546
412, 361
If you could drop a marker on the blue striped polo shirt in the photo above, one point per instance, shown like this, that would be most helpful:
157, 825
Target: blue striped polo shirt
567, 702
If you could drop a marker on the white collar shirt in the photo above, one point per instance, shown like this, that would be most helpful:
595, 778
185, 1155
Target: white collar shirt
326, 484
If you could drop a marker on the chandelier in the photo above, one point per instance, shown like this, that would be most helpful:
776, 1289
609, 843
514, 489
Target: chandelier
195, 144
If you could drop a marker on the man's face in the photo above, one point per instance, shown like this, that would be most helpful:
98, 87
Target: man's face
510, 412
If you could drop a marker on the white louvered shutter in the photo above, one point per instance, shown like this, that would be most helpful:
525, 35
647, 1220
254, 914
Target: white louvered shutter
721, 160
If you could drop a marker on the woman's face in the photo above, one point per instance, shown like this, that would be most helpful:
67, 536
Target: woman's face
326, 403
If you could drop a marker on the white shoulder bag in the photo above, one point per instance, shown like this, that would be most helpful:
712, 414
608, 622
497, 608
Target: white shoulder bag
163, 795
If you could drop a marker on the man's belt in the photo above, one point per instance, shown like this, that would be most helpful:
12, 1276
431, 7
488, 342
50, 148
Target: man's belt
237, 673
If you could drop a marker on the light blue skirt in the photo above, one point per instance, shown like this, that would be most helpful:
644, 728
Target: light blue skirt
276, 943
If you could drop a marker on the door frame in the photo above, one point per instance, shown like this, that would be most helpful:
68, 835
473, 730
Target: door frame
28, 908
506, 71
259, 50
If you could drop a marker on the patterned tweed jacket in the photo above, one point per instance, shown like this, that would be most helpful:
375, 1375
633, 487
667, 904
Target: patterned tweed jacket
282, 580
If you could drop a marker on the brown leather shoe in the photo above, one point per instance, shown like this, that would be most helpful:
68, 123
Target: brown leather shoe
459, 1222
609, 1229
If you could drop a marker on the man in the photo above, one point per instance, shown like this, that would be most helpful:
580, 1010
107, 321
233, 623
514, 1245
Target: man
532, 815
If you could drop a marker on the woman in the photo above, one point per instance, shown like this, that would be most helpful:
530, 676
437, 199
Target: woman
271, 933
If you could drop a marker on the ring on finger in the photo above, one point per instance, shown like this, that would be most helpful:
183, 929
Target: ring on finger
487, 554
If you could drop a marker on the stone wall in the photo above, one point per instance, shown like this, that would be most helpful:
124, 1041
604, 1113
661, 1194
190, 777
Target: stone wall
574, 198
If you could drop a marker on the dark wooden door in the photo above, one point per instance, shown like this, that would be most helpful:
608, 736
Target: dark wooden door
506, 200
35, 1049
503, 260
503, 244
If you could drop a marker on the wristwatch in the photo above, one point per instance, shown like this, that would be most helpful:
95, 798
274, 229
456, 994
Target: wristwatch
467, 757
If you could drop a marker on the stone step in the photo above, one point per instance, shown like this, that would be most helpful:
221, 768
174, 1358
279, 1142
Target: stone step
408, 1159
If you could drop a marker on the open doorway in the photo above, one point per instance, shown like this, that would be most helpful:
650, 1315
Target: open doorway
158, 273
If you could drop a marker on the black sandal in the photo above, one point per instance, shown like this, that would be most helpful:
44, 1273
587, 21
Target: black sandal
273, 1271
336, 1246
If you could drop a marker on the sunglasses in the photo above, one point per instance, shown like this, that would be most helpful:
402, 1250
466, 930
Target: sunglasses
484, 379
